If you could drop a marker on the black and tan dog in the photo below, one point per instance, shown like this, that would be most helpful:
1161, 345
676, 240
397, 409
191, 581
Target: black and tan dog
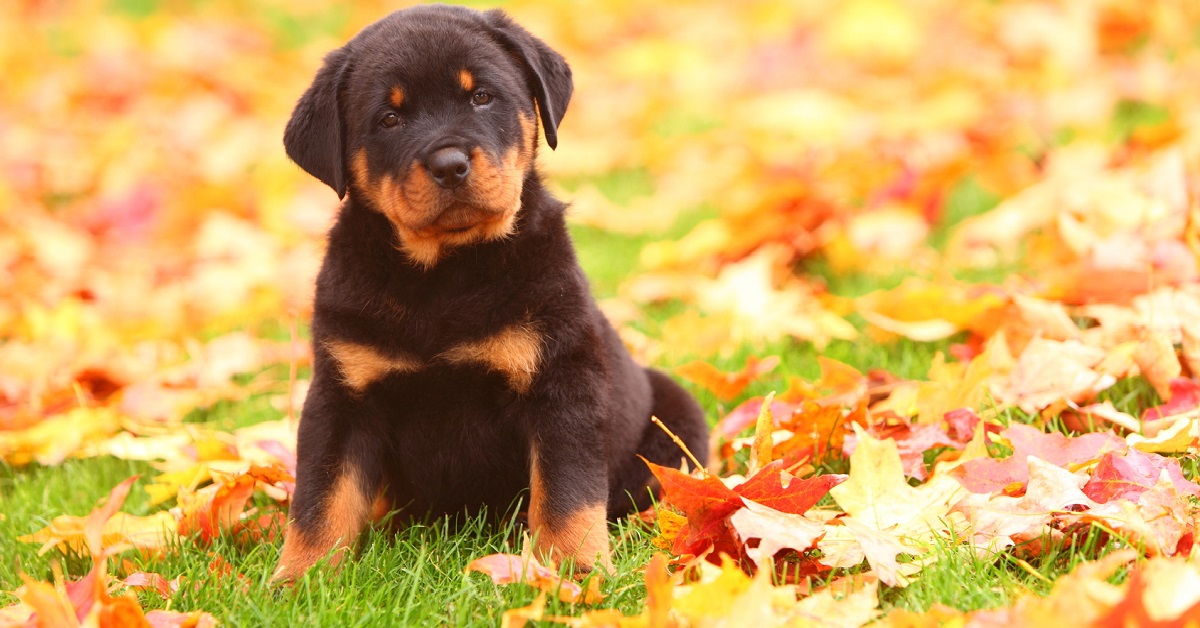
459, 359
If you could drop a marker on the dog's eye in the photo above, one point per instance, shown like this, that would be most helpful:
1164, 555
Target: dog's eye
481, 98
390, 120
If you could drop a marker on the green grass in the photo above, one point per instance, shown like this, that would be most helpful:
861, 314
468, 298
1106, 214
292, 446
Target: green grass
416, 577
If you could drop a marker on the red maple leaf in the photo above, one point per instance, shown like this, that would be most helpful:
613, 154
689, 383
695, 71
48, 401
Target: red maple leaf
772, 487
1185, 396
1129, 475
708, 503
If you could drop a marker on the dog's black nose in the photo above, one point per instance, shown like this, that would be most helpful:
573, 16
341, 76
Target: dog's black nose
449, 166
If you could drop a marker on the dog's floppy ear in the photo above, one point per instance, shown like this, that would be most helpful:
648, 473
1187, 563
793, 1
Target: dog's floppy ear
547, 71
315, 136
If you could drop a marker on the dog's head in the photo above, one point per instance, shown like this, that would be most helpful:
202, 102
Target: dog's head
429, 117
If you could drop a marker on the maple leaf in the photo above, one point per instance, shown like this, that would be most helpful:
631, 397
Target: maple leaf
775, 531
708, 503
879, 499
999, 521
845, 602
153, 582
774, 487
744, 415
1160, 520
927, 311
87, 601
839, 385
1175, 436
1184, 398
988, 474
513, 568
732, 594
816, 430
912, 441
1084, 419
56, 438
219, 507
1128, 475
725, 385
107, 528
954, 385
1158, 362
877, 494
1158, 593
1050, 372
881, 551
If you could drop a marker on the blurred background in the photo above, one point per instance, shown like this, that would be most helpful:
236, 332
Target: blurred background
739, 170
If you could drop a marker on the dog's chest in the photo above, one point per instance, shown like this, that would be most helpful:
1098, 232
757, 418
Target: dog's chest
459, 437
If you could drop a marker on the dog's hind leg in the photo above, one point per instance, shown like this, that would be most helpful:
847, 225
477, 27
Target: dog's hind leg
684, 417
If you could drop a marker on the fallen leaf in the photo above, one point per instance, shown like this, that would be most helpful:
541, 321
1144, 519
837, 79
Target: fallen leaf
1184, 398
775, 488
989, 474
511, 568
774, 530
106, 528
723, 384
1129, 474
1050, 372
878, 496
153, 582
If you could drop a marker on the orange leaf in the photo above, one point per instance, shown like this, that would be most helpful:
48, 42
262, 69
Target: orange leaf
707, 504
219, 507
726, 385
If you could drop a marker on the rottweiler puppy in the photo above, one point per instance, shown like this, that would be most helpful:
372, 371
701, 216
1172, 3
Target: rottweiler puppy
459, 360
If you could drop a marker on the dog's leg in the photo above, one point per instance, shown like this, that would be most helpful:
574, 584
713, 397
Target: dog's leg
336, 485
684, 417
568, 466
567, 509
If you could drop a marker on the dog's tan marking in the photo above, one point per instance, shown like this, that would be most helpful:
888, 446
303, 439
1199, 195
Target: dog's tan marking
410, 199
514, 352
582, 535
466, 79
381, 506
396, 97
361, 365
502, 181
345, 512
359, 171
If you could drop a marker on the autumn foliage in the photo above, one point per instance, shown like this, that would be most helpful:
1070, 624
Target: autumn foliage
157, 254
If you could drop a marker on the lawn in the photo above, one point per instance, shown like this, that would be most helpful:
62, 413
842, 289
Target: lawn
956, 244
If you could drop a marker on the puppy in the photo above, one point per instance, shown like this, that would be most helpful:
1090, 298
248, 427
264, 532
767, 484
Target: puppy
459, 361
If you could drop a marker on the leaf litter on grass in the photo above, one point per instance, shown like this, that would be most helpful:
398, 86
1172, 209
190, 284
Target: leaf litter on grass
140, 295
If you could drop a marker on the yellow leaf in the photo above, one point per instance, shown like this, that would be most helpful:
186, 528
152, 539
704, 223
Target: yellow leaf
150, 533
764, 427
878, 496
56, 438
1176, 438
